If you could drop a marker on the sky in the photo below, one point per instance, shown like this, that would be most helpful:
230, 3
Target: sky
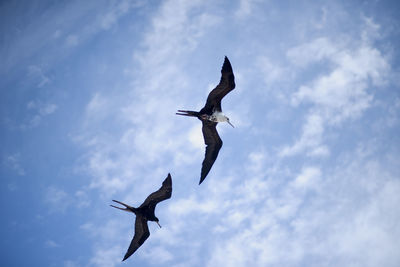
309, 176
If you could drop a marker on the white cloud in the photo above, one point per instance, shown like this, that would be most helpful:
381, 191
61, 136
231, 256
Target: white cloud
311, 139
320, 24
245, 8
344, 90
272, 72
183, 207
70, 264
13, 162
72, 40
371, 30
114, 161
345, 87
294, 227
111, 239
158, 255
314, 51
51, 244
57, 34
307, 178
196, 136
36, 73
82, 199
40, 110
111, 17
106, 257
47, 109
343, 93
97, 107
260, 212
57, 198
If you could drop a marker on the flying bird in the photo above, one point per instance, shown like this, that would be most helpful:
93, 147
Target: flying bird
211, 114
145, 213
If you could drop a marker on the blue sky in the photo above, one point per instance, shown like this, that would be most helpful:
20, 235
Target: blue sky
309, 176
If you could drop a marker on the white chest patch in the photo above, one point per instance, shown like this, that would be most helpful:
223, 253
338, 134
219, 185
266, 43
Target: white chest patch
217, 117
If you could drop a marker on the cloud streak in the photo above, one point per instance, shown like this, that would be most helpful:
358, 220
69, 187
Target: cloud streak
263, 211
344, 93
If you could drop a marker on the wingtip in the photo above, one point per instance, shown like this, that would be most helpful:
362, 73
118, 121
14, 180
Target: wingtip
126, 256
168, 180
226, 67
201, 180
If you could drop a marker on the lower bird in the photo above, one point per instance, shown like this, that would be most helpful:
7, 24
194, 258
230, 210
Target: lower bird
144, 213
211, 114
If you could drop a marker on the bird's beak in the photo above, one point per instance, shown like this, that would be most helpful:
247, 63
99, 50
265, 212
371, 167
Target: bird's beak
158, 224
231, 124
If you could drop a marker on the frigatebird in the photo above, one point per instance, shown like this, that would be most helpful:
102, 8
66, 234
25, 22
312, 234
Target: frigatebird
211, 114
145, 213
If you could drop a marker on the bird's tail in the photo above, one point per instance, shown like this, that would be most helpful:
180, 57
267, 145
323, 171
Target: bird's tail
188, 113
127, 207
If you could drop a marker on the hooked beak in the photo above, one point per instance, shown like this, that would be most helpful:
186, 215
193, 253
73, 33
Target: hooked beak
158, 224
230, 124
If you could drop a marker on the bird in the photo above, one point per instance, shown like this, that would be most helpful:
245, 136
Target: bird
211, 114
145, 213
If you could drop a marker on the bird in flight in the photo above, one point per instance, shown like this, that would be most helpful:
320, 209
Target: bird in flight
144, 213
211, 114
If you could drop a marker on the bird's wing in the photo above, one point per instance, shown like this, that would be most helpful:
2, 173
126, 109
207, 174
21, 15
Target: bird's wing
226, 84
141, 234
161, 194
213, 145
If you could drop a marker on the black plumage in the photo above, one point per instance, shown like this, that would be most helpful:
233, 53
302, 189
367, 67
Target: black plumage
213, 145
144, 213
226, 84
211, 114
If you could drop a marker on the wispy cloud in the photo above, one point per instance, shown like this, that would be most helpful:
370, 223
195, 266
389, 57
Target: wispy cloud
57, 198
307, 178
81, 21
72, 40
145, 137
40, 110
36, 73
70, 263
125, 162
13, 162
246, 8
291, 219
262, 211
311, 139
341, 94
51, 244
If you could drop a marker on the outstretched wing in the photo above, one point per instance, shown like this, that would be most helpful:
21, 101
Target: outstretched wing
213, 145
141, 234
226, 84
161, 194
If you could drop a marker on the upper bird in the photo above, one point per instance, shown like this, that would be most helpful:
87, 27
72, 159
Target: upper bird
211, 114
145, 213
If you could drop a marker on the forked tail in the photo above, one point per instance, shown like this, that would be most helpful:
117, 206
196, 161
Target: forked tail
127, 207
188, 113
